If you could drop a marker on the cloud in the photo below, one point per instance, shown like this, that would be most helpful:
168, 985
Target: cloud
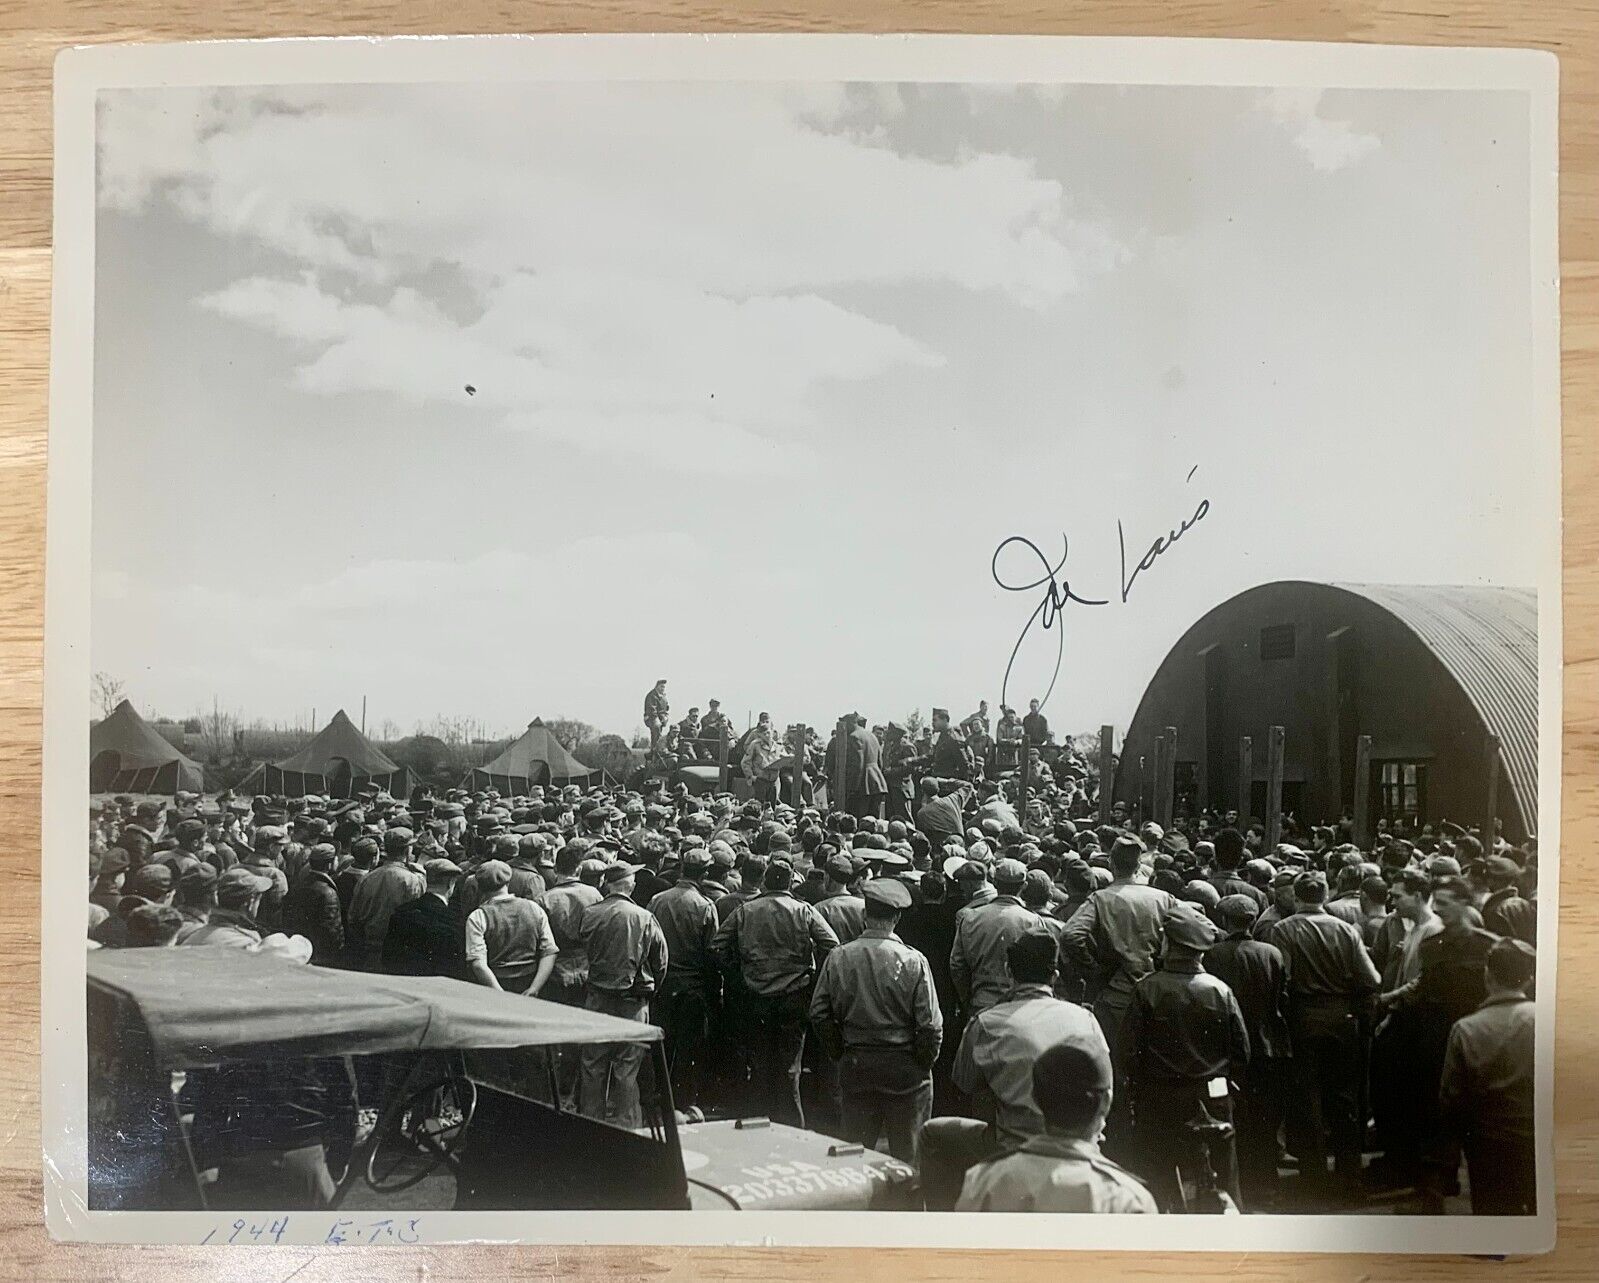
1329, 145
678, 378
664, 282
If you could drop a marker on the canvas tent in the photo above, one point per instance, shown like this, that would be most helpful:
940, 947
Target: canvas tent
126, 756
337, 762
535, 758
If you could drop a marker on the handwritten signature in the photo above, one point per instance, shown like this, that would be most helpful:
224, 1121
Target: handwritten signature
1058, 592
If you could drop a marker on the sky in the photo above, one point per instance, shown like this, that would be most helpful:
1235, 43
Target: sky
502, 401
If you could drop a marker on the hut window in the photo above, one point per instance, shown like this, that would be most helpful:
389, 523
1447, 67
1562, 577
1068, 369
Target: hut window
1277, 642
1403, 786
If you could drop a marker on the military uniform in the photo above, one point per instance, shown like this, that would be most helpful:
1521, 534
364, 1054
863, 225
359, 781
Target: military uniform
1053, 1174
876, 1012
627, 964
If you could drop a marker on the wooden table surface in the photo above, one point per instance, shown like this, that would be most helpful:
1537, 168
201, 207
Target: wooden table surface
30, 34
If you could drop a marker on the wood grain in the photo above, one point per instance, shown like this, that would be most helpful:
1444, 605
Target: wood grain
30, 35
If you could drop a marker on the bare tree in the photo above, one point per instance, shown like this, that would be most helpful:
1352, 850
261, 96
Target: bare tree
108, 692
571, 732
218, 732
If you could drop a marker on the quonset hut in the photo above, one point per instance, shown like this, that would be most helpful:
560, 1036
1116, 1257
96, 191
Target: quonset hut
1441, 682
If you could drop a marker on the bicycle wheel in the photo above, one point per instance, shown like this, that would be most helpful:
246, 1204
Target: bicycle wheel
425, 1133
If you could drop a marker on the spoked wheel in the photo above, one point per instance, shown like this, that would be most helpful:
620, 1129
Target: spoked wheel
425, 1133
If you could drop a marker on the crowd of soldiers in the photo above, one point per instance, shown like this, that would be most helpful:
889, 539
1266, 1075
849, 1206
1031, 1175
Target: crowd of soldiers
1039, 1006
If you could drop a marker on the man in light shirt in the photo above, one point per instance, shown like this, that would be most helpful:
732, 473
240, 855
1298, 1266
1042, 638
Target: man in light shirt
994, 1066
1061, 1170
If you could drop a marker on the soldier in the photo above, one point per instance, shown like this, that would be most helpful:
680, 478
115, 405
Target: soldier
1256, 974
265, 861
876, 1013
1183, 1044
688, 735
1062, 1170
1330, 983
949, 758
627, 964
656, 710
839, 906
898, 757
1486, 1094
772, 944
994, 1067
693, 985
713, 726
1112, 941
983, 933
526, 880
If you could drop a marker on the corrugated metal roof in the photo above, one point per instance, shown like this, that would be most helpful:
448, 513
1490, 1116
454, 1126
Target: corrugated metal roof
1487, 638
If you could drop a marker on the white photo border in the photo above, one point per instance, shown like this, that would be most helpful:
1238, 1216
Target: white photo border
80, 74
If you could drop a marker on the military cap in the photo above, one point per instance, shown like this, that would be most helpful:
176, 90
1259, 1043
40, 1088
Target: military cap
779, 875
1185, 925
197, 881
889, 861
151, 882
1501, 866
238, 886
840, 867
1237, 908
616, 872
887, 893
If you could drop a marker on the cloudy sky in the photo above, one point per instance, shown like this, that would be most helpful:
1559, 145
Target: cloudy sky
763, 375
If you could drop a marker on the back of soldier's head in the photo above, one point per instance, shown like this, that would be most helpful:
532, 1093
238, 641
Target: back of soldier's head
1031, 958
1072, 1087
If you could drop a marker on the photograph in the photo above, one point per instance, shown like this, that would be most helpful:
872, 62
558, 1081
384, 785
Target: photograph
769, 628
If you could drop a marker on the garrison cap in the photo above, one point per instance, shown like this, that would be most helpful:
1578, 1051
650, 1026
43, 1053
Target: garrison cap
887, 893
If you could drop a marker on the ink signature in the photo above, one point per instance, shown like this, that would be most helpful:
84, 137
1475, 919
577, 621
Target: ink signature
1058, 592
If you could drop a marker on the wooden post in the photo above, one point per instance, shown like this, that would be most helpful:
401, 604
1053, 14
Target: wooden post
799, 766
1026, 776
841, 770
1246, 781
1107, 772
1168, 783
1362, 804
721, 761
1490, 793
1274, 787
1158, 783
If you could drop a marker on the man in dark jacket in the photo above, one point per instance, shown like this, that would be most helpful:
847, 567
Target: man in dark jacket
1505, 912
873, 797
898, 758
423, 938
775, 943
312, 907
1258, 977
1183, 1043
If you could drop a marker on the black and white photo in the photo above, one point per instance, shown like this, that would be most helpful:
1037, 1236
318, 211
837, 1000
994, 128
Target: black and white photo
819, 640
